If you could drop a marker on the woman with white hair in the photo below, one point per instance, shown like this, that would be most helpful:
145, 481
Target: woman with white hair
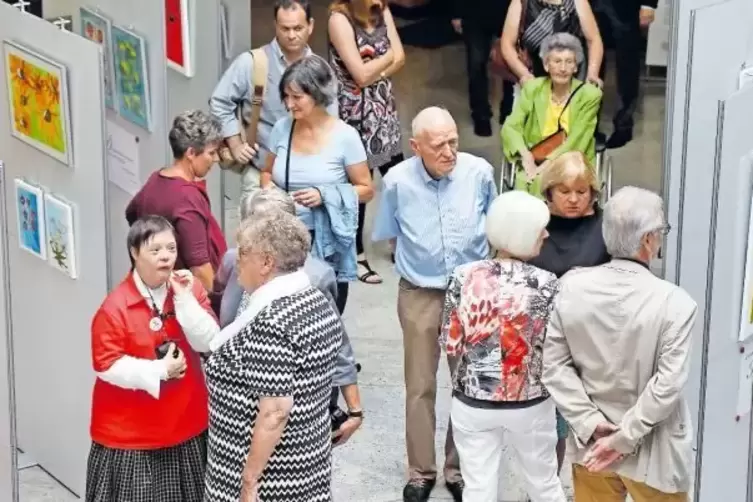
554, 114
320, 160
494, 322
270, 381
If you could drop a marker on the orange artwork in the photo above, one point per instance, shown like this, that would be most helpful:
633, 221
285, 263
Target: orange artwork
37, 93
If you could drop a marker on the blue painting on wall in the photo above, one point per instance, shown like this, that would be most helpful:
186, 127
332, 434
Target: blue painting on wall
131, 77
31, 220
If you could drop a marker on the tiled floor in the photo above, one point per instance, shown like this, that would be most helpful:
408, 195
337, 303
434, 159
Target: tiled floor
371, 468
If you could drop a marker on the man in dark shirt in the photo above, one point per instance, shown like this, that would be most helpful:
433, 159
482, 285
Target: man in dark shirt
178, 193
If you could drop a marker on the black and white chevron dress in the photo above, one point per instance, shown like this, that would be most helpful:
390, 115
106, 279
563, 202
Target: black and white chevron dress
288, 350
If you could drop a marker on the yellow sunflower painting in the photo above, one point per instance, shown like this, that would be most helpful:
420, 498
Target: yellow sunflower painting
38, 101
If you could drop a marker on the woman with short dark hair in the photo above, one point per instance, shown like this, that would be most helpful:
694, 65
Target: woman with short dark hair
321, 162
179, 194
149, 405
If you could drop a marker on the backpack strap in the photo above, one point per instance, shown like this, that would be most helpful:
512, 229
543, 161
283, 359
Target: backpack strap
258, 83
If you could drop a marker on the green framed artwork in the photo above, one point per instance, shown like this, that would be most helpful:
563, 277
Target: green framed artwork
131, 77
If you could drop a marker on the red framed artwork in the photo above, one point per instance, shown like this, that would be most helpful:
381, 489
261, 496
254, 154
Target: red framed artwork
178, 47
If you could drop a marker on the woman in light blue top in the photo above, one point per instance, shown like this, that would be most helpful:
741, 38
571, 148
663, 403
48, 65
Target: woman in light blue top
321, 161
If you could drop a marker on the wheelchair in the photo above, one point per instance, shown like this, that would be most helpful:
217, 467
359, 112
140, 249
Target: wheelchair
603, 163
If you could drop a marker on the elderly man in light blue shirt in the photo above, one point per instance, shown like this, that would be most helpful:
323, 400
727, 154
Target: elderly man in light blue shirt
434, 204
293, 27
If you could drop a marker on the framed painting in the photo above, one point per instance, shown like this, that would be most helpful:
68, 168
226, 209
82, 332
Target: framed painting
131, 77
40, 113
178, 46
30, 218
98, 29
60, 241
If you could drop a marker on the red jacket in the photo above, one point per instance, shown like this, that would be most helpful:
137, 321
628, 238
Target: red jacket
133, 419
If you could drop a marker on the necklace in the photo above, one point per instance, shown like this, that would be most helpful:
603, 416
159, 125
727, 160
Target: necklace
158, 316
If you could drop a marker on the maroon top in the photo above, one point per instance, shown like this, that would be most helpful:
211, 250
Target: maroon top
186, 205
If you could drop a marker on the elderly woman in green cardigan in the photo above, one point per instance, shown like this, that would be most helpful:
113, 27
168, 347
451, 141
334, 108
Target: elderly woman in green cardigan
547, 105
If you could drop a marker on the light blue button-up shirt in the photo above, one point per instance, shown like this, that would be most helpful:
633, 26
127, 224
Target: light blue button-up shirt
235, 89
439, 224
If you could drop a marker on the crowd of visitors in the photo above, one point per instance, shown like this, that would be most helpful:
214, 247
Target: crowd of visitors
220, 372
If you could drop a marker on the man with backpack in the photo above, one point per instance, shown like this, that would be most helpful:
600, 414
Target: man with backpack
247, 100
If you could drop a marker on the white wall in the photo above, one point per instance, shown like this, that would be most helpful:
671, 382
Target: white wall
50, 312
712, 40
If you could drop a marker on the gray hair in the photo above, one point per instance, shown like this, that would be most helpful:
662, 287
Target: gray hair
193, 129
514, 223
428, 117
562, 42
630, 214
261, 203
313, 76
280, 235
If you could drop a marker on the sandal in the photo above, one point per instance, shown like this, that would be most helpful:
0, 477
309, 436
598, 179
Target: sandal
368, 277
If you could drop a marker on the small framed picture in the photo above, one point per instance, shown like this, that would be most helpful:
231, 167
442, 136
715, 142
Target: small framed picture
61, 240
98, 29
30, 219
132, 77
178, 43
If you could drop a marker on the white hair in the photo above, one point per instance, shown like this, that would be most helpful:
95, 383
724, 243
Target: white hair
428, 117
514, 223
261, 202
630, 214
562, 41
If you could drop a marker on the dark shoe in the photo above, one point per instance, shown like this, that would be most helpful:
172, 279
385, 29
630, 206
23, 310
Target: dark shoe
418, 490
482, 128
620, 138
456, 490
600, 138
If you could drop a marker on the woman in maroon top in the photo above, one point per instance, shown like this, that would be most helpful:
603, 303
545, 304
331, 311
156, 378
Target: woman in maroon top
178, 193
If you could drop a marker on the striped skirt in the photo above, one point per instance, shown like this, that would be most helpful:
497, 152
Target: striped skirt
174, 474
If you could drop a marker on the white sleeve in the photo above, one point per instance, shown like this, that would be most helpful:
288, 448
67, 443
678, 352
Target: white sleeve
136, 374
198, 325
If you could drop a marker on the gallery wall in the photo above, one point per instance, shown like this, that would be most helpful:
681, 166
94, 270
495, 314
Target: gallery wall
705, 189
51, 309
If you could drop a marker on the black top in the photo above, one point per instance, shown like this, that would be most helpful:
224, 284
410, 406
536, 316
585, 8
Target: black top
572, 242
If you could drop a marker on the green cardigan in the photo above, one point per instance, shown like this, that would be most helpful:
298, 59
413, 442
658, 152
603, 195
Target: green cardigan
522, 129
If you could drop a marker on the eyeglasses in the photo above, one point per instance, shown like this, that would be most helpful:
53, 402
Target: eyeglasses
664, 229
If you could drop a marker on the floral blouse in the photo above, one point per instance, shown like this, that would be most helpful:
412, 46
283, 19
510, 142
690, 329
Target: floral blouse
494, 321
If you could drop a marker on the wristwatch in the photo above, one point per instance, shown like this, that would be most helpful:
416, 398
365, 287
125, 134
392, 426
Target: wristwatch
355, 414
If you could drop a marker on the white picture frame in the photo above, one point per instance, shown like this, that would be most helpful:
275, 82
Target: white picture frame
94, 24
30, 218
186, 9
61, 235
29, 120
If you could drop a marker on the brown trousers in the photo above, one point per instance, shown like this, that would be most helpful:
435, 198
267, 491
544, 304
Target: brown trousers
610, 487
420, 314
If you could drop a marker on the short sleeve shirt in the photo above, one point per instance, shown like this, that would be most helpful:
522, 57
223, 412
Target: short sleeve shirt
329, 166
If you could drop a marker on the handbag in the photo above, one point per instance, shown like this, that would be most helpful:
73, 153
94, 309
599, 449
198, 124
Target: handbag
249, 133
497, 61
544, 148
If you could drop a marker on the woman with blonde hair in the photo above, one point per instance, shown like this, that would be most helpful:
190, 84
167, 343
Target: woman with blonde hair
571, 189
364, 52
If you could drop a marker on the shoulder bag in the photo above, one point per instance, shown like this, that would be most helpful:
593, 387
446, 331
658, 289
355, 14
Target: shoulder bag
497, 61
546, 146
249, 132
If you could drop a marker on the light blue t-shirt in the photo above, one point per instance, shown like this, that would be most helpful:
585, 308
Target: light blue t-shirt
327, 167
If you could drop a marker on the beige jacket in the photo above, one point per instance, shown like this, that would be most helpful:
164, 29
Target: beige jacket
618, 349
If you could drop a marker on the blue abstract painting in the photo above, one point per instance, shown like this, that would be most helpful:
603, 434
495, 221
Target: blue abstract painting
131, 77
31, 220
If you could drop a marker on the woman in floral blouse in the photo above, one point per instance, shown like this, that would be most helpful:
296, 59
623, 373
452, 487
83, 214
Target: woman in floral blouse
495, 319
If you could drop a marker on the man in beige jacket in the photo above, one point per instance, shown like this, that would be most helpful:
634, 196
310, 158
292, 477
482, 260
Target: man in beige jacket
616, 360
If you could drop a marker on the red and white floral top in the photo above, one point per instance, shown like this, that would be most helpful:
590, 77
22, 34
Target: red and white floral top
495, 318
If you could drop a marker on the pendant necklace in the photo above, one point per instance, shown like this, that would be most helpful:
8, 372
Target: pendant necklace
155, 323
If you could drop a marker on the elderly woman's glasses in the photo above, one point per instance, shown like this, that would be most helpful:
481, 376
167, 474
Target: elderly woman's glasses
664, 229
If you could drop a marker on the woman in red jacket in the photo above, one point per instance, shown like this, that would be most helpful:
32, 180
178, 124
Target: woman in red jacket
149, 406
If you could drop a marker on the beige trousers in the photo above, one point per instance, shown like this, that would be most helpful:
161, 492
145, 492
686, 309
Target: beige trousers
420, 314
610, 487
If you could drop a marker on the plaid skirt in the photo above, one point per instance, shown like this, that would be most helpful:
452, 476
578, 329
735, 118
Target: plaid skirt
174, 474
